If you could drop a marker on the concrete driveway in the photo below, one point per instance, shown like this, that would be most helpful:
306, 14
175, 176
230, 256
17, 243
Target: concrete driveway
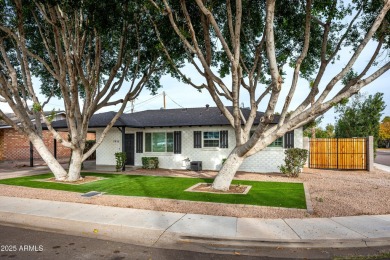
12, 169
383, 157
19, 168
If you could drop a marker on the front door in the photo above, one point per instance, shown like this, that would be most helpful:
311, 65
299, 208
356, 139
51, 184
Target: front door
129, 149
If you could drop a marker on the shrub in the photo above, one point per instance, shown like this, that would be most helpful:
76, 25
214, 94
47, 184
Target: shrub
149, 162
294, 161
120, 158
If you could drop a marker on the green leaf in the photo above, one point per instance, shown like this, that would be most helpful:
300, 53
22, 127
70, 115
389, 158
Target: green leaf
37, 107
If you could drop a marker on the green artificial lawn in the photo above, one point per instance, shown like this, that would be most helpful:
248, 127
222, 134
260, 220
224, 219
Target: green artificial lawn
275, 194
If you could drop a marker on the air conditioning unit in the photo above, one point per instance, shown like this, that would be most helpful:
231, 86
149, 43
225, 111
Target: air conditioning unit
196, 165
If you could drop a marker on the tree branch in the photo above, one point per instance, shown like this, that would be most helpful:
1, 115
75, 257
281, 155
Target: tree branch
298, 63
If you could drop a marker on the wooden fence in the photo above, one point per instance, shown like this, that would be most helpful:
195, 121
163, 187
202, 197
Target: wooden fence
338, 153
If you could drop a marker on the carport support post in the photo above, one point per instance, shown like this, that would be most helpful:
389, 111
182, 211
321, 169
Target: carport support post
123, 146
55, 148
306, 146
31, 155
370, 153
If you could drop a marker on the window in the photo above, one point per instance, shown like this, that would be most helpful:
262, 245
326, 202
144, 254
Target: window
277, 143
211, 139
170, 142
159, 142
148, 142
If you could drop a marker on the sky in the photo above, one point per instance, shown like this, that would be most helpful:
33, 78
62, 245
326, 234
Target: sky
186, 96
180, 94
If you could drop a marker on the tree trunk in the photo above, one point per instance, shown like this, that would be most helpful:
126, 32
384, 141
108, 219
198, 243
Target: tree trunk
59, 172
225, 176
313, 129
75, 165
47, 156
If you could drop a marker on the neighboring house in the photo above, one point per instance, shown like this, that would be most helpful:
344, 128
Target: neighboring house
16, 146
172, 135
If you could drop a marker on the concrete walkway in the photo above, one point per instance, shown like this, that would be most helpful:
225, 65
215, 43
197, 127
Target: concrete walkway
195, 232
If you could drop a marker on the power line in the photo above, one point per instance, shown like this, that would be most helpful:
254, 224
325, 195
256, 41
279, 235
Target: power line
142, 103
174, 101
149, 99
145, 102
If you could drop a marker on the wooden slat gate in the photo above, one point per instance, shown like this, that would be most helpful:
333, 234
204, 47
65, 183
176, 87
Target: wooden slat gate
338, 153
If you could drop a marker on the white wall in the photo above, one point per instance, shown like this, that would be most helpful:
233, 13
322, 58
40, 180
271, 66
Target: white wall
298, 138
266, 160
211, 157
112, 143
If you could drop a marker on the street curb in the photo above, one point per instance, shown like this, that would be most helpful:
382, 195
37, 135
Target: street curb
292, 243
163, 238
112, 232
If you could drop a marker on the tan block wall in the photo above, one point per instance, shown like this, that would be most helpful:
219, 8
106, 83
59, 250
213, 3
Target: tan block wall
15, 146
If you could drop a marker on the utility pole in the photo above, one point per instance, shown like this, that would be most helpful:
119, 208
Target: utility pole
165, 105
132, 105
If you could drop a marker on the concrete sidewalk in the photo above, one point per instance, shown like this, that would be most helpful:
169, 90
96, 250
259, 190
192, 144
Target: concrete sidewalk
195, 232
382, 167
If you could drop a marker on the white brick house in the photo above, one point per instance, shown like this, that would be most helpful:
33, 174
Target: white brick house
172, 135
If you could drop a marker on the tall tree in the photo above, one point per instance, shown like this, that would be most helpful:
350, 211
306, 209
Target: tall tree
384, 132
328, 132
252, 41
360, 117
311, 128
83, 52
386, 119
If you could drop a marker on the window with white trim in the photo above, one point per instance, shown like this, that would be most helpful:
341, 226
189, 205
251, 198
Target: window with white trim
159, 142
277, 143
211, 139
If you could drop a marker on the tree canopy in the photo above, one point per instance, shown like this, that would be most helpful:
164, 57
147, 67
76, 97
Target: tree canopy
253, 42
320, 132
84, 52
384, 133
360, 117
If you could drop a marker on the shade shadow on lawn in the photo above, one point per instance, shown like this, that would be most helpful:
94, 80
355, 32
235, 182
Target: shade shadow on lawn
274, 194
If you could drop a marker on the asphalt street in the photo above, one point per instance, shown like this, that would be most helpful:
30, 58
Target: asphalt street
18, 243
383, 157
21, 243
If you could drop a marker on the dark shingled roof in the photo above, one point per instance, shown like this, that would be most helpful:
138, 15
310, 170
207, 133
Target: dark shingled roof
16, 120
165, 118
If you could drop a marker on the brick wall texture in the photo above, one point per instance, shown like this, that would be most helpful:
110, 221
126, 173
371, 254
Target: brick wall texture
15, 146
1, 144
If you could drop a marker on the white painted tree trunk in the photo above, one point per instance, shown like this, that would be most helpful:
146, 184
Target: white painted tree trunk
75, 165
227, 172
59, 172
47, 156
